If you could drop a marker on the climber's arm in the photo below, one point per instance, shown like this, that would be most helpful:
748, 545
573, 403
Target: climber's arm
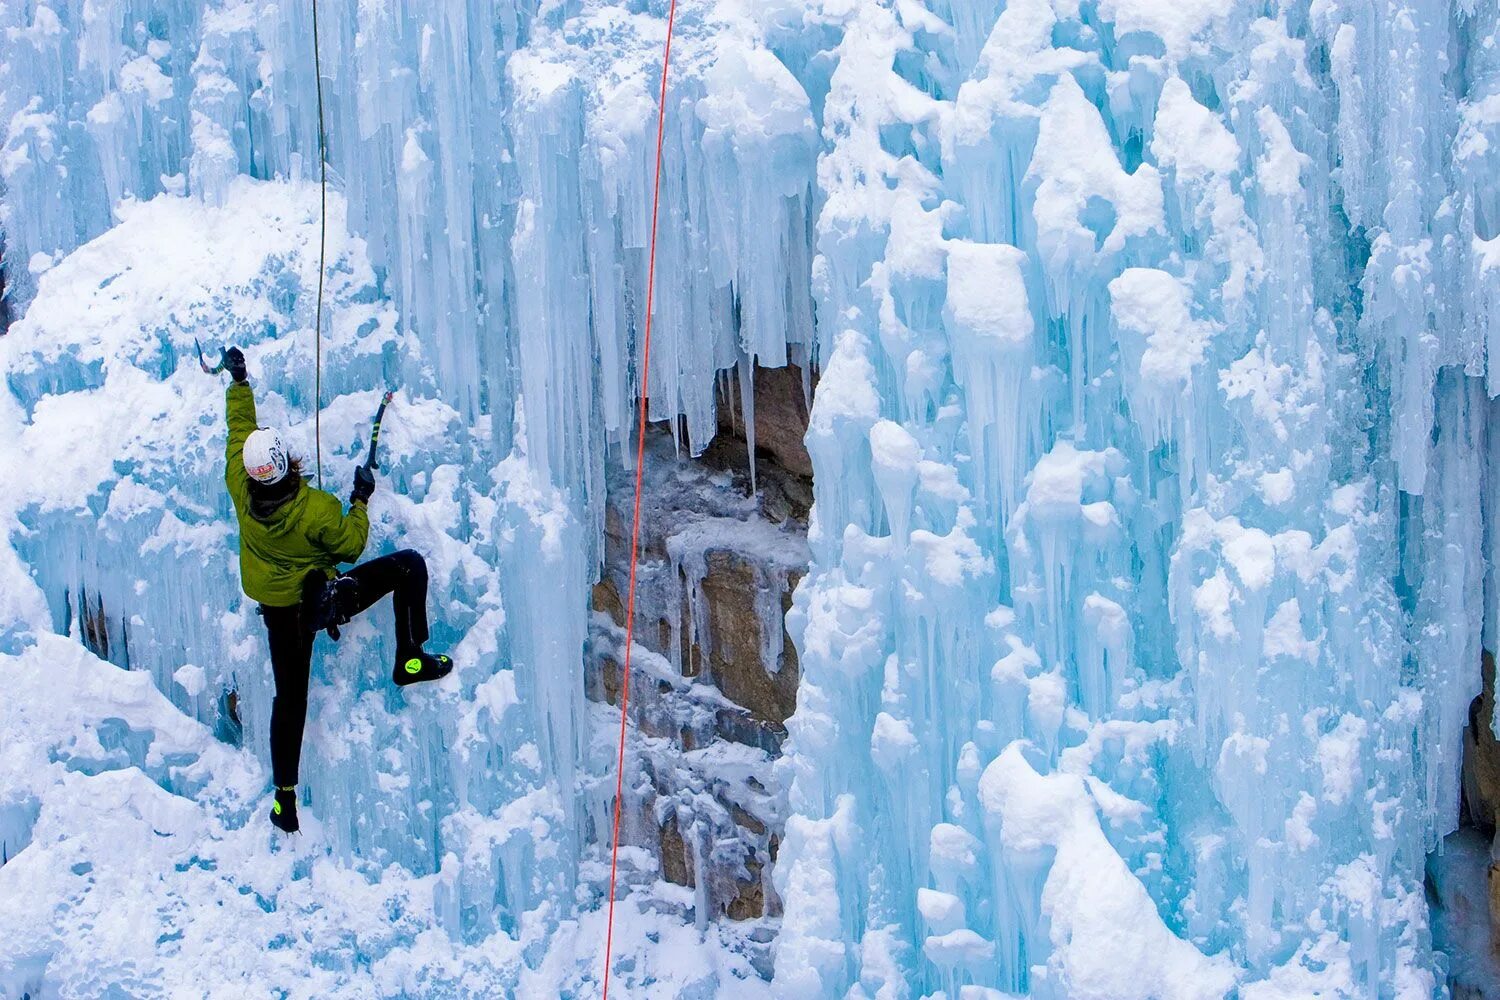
342, 534
239, 405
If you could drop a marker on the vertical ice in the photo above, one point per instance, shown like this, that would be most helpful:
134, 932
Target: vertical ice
1148, 554
489, 164
1157, 350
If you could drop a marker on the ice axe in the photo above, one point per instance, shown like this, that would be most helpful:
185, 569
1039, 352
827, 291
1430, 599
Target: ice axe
203, 362
385, 401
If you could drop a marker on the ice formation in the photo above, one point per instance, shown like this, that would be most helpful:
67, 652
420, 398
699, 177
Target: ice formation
1174, 616
1150, 558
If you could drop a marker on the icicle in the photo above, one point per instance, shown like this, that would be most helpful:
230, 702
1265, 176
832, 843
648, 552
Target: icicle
747, 411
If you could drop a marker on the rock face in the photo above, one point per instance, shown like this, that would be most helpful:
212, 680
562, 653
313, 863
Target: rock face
713, 673
1460, 914
1481, 774
780, 415
1482, 754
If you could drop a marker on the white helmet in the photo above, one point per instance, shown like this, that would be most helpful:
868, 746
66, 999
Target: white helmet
265, 456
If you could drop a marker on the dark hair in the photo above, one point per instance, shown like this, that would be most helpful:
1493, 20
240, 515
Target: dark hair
267, 498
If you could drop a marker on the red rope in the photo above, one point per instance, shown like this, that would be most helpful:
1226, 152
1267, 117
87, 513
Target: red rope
635, 527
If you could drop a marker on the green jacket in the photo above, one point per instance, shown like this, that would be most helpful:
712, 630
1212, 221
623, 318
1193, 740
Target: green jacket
309, 532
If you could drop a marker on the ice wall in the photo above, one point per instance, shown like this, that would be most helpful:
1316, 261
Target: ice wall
442, 839
1149, 555
489, 165
497, 164
125, 512
1152, 536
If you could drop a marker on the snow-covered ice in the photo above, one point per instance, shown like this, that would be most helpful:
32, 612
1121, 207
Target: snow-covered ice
1152, 554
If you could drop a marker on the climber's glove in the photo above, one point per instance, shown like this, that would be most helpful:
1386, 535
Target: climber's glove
364, 484
234, 363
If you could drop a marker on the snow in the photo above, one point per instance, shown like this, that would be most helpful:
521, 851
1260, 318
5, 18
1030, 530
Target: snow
1191, 138
1279, 171
1155, 305
1059, 479
1075, 163
191, 678
987, 292
1153, 540
1107, 939
1176, 25
150, 868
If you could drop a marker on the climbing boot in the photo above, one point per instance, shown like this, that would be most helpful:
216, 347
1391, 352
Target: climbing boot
419, 666
284, 810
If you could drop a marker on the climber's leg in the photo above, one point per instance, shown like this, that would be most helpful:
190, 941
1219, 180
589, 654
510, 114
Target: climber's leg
403, 575
291, 660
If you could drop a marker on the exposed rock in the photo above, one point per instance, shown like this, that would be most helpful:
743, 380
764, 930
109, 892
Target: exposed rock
737, 664
713, 673
751, 900
1481, 769
781, 412
1481, 782
676, 863
1460, 914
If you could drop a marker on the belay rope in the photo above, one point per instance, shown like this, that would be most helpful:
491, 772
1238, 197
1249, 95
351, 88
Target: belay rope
635, 526
322, 257
370, 462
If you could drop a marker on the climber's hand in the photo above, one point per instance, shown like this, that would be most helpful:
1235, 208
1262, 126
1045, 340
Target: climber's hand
364, 484
234, 363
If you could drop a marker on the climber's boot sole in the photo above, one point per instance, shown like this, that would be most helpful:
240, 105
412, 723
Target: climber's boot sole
422, 667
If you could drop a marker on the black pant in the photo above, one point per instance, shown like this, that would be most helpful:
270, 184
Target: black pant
403, 574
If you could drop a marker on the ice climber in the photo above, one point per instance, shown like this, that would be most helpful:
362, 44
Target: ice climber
293, 537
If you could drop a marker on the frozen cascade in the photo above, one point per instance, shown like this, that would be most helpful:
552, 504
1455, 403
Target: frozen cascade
1152, 475
158, 170
497, 165
1154, 496
443, 770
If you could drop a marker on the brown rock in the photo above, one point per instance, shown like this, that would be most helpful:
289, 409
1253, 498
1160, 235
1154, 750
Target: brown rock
781, 415
746, 820
676, 859
1481, 767
735, 631
750, 901
1481, 779
607, 599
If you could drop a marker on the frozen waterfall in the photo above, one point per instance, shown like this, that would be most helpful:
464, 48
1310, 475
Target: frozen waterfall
1152, 351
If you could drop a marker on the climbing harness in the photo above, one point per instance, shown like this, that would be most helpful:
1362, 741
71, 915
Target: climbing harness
326, 603
635, 529
322, 252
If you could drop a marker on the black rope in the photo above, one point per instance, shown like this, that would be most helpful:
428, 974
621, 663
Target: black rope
322, 252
